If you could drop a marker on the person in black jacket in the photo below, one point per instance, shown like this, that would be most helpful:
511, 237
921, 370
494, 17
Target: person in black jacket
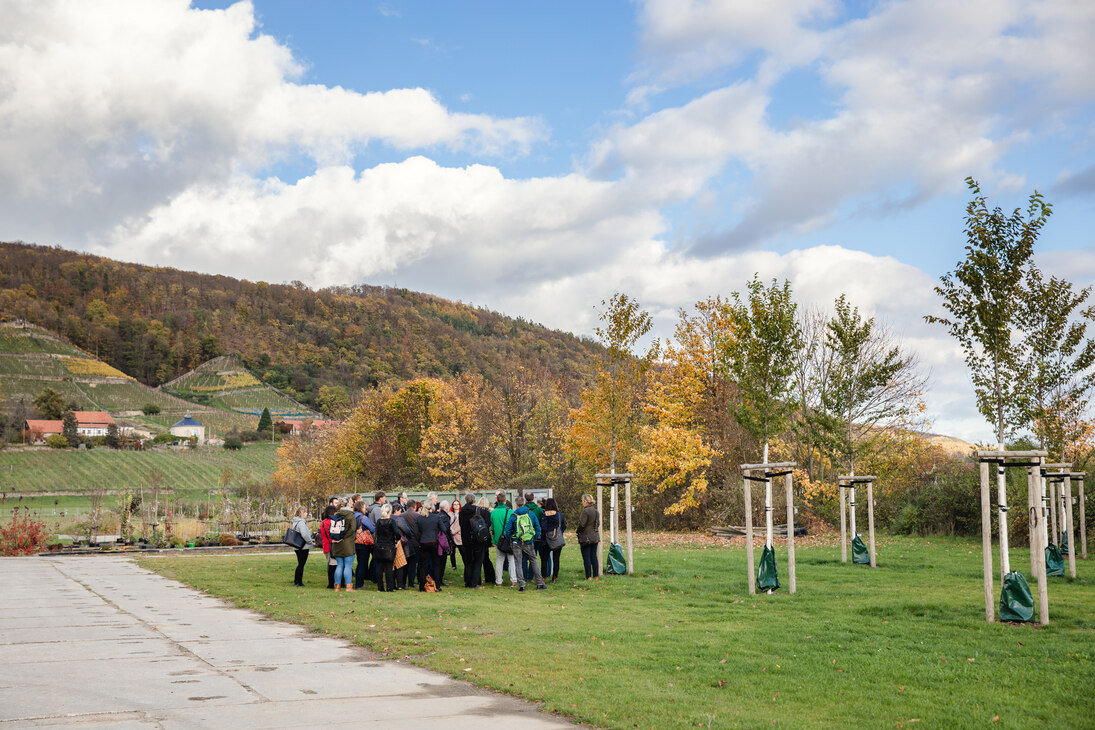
475, 551
431, 561
405, 536
384, 550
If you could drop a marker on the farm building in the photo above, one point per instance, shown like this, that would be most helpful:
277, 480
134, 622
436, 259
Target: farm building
187, 428
88, 423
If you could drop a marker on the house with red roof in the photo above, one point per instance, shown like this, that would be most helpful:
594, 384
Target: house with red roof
88, 423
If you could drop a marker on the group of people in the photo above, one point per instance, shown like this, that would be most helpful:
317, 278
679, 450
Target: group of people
403, 544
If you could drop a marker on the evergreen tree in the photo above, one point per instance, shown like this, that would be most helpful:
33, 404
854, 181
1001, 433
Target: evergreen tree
265, 422
68, 428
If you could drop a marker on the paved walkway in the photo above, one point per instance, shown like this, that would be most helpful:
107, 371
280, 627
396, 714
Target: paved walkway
98, 642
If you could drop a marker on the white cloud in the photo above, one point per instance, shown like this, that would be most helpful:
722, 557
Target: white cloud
109, 108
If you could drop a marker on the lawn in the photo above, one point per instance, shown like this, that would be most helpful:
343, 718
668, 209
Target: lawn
682, 644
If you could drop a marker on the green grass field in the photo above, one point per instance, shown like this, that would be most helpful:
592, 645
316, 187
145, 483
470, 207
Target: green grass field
29, 472
681, 644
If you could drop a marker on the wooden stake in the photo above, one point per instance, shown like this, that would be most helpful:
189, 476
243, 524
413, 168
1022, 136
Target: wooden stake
1055, 535
600, 527
1034, 486
1083, 521
986, 541
790, 532
843, 526
1043, 588
870, 521
1067, 484
749, 533
627, 506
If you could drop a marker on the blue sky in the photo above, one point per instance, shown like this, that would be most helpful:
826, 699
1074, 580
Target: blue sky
536, 157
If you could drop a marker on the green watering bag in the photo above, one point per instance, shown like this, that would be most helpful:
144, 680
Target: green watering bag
1016, 603
1055, 564
616, 564
767, 576
860, 554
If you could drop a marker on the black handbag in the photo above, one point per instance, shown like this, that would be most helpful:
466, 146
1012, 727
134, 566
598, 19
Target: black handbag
505, 544
294, 539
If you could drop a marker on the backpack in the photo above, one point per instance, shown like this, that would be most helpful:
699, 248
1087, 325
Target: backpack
480, 530
337, 529
523, 528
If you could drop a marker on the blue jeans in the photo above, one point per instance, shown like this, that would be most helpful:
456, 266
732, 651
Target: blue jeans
344, 571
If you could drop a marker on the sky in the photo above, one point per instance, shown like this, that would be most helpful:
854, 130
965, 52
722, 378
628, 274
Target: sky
534, 157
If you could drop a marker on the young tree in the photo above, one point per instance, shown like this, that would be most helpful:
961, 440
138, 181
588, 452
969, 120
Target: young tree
758, 354
982, 297
871, 383
604, 427
50, 404
112, 436
265, 422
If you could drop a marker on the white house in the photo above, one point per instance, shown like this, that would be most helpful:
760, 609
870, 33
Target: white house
188, 427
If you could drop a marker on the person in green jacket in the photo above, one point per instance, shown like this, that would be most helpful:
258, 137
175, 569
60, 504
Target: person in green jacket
498, 518
343, 549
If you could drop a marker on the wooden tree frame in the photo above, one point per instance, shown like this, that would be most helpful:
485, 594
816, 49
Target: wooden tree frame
769, 472
850, 482
1034, 462
1080, 499
613, 481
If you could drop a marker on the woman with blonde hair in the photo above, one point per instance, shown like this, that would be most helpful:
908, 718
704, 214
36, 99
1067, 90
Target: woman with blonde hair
589, 536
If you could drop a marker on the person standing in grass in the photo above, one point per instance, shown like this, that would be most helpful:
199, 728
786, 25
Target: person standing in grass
498, 518
553, 527
384, 550
300, 524
411, 515
343, 546
457, 533
589, 536
524, 528
405, 535
364, 552
431, 562
325, 541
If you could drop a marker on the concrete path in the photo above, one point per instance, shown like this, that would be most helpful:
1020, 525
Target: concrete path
98, 642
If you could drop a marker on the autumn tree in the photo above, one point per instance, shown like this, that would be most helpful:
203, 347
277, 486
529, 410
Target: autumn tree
605, 426
691, 439
333, 401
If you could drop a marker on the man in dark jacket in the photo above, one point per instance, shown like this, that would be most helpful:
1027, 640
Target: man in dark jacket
474, 551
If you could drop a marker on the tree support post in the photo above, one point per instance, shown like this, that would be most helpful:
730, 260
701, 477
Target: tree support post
1043, 589
1083, 520
843, 526
627, 506
1053, 522
787, 483
986, 541
1067, 486
870, 522
749, 533
600, 526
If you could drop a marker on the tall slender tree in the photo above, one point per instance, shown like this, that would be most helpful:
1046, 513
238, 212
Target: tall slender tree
982, 297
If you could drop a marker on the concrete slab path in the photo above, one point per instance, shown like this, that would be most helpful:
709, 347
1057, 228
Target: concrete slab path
90, 642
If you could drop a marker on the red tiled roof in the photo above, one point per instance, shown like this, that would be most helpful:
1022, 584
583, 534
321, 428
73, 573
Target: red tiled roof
92, 418
42, 426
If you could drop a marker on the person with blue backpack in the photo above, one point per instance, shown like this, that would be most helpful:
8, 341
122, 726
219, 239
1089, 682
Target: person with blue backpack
524, 529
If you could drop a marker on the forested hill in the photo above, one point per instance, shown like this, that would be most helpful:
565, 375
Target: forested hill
157, 323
